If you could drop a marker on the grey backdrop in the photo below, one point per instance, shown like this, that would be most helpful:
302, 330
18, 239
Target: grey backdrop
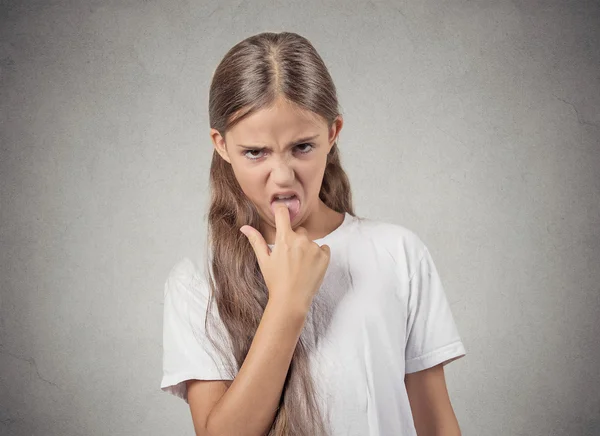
474, 124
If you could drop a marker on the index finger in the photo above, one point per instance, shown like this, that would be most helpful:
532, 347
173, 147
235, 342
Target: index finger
283, 226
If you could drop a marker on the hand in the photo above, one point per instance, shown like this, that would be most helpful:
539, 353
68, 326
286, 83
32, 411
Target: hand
294, 269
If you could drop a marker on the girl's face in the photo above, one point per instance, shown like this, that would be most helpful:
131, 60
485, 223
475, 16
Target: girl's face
279, 149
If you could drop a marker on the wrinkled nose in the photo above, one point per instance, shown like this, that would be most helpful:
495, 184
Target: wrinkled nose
282, 173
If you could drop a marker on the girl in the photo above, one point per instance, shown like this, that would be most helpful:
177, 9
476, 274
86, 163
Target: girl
307, 320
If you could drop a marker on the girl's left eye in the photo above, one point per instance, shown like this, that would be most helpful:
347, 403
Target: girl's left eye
310, 148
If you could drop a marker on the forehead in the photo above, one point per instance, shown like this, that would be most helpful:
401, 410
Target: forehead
279, 123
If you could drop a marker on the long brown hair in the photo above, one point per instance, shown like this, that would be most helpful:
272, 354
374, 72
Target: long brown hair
250, 77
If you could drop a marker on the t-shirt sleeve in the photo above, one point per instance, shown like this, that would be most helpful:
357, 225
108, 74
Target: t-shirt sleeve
431, 333
187, 352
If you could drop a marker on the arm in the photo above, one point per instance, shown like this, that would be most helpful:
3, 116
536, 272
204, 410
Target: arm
431, 408
248, 406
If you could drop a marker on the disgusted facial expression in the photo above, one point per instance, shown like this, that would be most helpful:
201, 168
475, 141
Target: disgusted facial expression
279, 149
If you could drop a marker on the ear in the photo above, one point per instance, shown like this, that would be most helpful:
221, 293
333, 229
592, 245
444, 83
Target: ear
334, 130
219, 144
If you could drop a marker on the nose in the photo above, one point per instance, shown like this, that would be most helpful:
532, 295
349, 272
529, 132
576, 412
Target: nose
282, 172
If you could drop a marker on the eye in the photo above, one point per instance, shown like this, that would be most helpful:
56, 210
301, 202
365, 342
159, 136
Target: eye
260, 150
307, 151
245, 153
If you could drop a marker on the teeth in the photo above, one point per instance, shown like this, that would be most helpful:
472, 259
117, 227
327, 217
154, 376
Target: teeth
283, 197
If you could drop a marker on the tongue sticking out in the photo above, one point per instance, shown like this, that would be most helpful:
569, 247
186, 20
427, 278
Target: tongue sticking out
293, 205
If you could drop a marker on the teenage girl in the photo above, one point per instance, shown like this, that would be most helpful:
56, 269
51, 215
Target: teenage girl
306, 320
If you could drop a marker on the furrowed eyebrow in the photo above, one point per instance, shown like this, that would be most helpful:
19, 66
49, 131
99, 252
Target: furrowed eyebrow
291, 144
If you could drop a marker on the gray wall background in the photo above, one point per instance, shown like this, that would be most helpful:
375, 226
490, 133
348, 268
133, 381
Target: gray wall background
474, 124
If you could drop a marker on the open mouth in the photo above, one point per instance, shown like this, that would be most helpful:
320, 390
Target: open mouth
292, 203
285, 198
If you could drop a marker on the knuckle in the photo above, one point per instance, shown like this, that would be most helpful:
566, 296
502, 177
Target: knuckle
285, 244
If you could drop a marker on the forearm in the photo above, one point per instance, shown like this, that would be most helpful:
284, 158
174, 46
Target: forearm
248, 407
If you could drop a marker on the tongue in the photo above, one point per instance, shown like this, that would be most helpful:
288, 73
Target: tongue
293, 205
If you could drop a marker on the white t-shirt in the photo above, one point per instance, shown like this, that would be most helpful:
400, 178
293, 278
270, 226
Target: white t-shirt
380, 313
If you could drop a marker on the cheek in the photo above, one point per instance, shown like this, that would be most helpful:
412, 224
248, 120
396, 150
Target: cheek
317, 173
250, 183
312, 179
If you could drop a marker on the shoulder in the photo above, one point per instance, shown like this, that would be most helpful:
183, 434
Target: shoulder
390, 245
185, 280
184, 271
392, 237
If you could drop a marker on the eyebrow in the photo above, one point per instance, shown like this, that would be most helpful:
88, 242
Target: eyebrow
291, 144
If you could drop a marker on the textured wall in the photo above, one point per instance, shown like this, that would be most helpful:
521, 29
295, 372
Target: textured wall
474, 124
